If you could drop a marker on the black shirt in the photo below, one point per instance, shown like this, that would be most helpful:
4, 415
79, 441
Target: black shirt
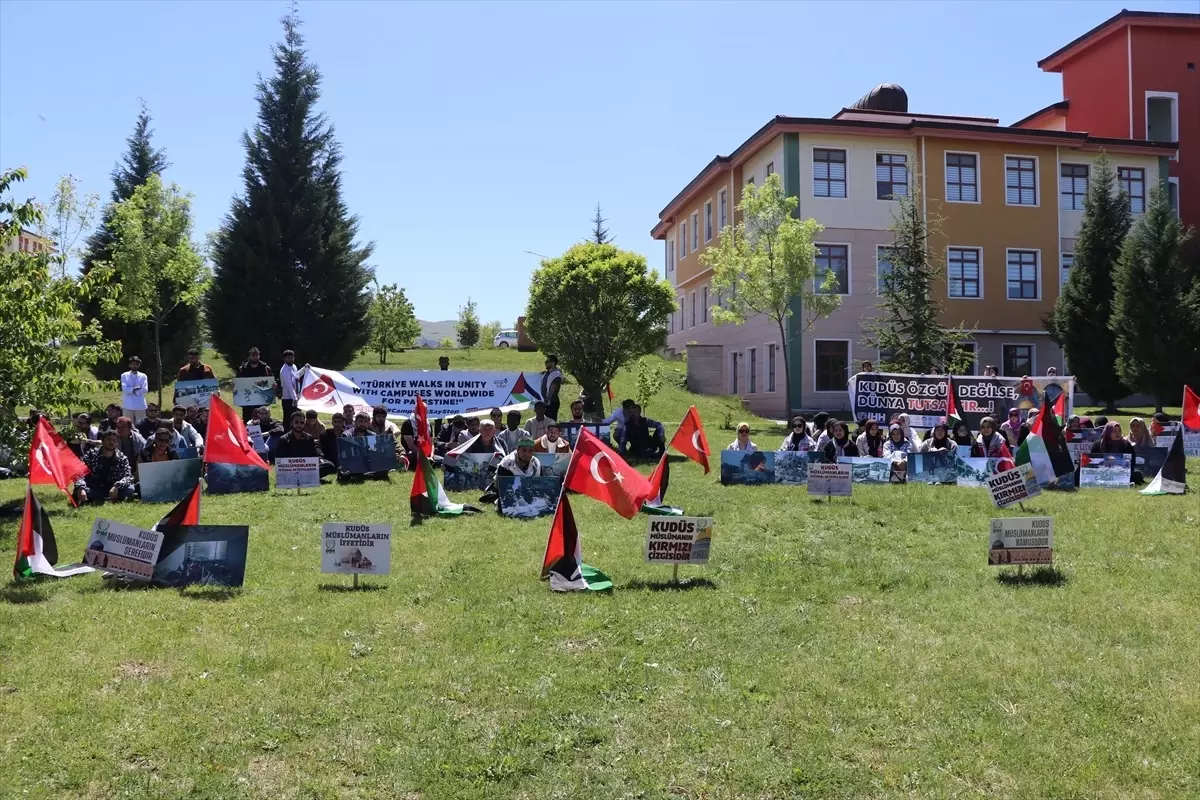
297, 445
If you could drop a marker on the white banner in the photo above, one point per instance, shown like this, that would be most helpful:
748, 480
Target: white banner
123, 549
446, 393
297, 473
356, 548
831, 480
678, 540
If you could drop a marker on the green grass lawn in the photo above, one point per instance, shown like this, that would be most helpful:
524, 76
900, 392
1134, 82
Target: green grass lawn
857, 649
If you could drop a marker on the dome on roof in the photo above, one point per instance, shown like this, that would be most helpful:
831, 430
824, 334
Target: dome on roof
884, 97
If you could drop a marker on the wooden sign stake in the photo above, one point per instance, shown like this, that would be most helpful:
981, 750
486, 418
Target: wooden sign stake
675, 573
355, 574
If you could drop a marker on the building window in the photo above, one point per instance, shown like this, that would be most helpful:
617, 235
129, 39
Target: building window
693, 309
962, 178
671, 323
722, 209
1162, 121
1172, 194
1072, 186
1132, 181
770, 368
832, 365
1022, 275
1018, 360
883, 268
695, 231
829, 173
770, 169
708, 222
834, 258
704, 304
750, 181
963, 274
670, 255
891, 175
1020, 181
1068, 261
733, 366
752, 388
682, 240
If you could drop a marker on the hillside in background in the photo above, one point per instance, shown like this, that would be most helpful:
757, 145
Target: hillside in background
434, 332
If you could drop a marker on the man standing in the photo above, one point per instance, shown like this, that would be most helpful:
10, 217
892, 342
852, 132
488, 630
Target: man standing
252, 367
109, 476
193, 370
289, 382
444, 363
551, 383
134, 386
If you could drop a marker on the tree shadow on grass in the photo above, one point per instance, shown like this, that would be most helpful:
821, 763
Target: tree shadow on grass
20, 594
345, 587
1043, 576
685, 585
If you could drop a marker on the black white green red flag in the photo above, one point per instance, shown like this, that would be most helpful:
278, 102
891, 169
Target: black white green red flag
1172, 477
37, 550
1046, 451
563, 562
428, 498
657, 503
952, 417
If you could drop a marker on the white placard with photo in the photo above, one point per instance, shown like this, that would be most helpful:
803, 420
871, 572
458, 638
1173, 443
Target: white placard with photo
830, 480
356, 548
297, 473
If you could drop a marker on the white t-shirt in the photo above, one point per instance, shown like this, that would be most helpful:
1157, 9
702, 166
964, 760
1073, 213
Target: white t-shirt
289, 379
134, 386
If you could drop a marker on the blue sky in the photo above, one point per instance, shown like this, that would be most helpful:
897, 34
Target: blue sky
473, 132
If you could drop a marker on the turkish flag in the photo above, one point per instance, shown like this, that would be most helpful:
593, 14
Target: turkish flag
50, 460
1191, 409
690, 439
227, 442
421, 428
598, 472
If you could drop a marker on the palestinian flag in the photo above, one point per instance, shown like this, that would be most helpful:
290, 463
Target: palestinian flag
1060, 413
952, 417
428, 498
185, 512
522, 392
563, 563
37, 551
1172, 478
658, 481
1046, 451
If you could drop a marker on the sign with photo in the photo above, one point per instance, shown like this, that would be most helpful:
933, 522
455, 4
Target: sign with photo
881, 396
254, 391
570, 431
356, 548
297, 473
791, 467
1013, 486
1021, 540
362, 454
974, 472
256, 438
446, 393
208, 555
554, 464
1106, 471
751, 467
1149, 460
124, 549
235, 479
195, 393
469, 472
526, 498
678, 540
168, 481
933, 467
1191, 442
868, 469
830, 480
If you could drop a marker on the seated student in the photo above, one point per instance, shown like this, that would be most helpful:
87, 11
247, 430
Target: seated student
472, 430
897, 442
451, 436
149, 423
362, 430
742, 442
1139, 434
991, 442
348, 413
191, 436
497, 418
1086, 423
512, 432
818, 425
83, 435
109, 476
312, 424
798, 441
521, 461
1073, 429
197, 417
161, 446
408, 439
381, 424
1112, 441
577, 411
536, 425
965, 441
910, 433
939, 440
641, 437
487, 442
129, 442
111, 413
271, 430
552, 442
330, 436
1159, 423
1100, 421
870, 442
1010, 429
617, 417
839, 443
299, 443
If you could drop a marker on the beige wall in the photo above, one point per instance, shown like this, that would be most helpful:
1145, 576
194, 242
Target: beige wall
860, 208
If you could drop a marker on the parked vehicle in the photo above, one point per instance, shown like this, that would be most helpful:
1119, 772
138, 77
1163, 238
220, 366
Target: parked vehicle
505, 339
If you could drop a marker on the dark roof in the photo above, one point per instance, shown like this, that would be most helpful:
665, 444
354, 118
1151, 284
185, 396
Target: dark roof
1060, 105
1123, 14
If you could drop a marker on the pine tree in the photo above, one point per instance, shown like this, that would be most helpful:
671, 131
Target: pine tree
599, 232
287, 272
1155, 330
1080, 321
181, 329
467, 327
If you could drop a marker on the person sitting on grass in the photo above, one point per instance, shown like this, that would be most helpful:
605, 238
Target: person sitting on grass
191, 436
521, 461
870, 442
577, 411
939, 440
362, 430
897, 442
112, 413
839, 443
109, 477
194, 418
270, 429
148, 424
536, 425
798, 441
512, 432
312, 424
1139, 434
330, 436
991, 442
161, 446
299, 443
742, 442
130, 442
1112, 441
641, 437
486, 442
552, 442
452, 435
380, 424
965, 441
83, 435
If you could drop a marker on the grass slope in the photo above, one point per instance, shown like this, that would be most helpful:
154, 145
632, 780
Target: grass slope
849, 649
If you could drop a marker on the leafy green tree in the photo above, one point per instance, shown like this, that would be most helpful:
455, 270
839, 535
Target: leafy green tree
183, 327
467, 328
159, 267
487, 333
446, 343
1080, 321
393, 324
599, 232
287, 271
64, 221
766, 263
597, 308
909, 327
647, 381
40, 307
1156, 331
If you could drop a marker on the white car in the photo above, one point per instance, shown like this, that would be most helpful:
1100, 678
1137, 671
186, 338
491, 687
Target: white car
505, 339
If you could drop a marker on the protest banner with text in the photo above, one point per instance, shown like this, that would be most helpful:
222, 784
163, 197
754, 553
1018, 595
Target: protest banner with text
446, 393
678, 540
881, 396
356, 548
124, 549
1021, 540
298, 473
830, 480
1013, 486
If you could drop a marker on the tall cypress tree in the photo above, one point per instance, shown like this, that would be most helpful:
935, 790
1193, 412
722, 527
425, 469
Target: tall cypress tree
181, 329
287, 272
1080, 320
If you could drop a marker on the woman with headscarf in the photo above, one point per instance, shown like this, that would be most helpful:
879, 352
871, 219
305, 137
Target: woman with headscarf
1112, 441
965, 441
939, 440
798, 441
1010, 429
909, 433
870, 441
992, 442
818, 424
897, 443
742, 442
1073, 429
839, 443
1139, 433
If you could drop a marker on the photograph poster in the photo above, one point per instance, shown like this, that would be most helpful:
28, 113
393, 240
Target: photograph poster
469, 472
791, 467
206, 555
527, 498
254, 391
195, 393
235, 479
168, 481
360, 455
751, 467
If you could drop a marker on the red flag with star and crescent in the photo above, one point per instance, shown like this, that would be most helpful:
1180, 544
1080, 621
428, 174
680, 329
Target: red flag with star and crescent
597, 471
228, 442
421, 427
51, 460
690, 439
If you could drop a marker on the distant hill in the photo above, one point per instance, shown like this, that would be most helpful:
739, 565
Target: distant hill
434, 332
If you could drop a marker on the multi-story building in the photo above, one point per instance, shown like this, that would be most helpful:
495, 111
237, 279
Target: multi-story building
1135, 76
27, 242
1009, 200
